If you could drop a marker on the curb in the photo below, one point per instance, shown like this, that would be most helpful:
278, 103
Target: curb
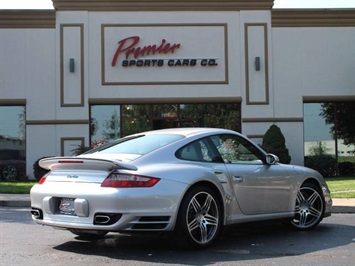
15, 203
343, 209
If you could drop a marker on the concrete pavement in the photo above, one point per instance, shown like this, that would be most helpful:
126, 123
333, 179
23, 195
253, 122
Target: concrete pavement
23, 200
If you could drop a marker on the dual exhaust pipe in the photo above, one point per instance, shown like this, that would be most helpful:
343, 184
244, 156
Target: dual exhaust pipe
106, 218
37, 213
99, 218
102, 219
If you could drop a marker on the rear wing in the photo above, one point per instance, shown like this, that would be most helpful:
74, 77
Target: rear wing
73, 163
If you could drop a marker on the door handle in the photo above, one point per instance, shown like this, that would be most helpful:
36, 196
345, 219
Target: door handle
238, 179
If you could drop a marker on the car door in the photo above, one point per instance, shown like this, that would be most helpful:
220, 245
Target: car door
203, 152
259, 188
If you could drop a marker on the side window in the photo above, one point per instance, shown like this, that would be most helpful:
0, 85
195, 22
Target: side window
200, 151
236, 150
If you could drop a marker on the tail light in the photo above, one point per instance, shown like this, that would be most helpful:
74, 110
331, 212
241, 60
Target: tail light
43, 179
127, 181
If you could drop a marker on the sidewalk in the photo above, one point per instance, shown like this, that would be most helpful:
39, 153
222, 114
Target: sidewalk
23, 200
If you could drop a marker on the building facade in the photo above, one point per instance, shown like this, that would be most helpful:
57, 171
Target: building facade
91, 71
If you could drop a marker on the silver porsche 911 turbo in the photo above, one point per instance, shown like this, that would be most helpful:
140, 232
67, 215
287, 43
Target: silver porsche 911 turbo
187, 181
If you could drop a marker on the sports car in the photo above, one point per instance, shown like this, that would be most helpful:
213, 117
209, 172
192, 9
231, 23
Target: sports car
189, 182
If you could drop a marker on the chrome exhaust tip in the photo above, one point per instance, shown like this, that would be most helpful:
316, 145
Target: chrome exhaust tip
106, 218
102, 219
37, 214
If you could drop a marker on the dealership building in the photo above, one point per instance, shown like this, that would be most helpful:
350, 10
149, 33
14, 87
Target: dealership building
91, 71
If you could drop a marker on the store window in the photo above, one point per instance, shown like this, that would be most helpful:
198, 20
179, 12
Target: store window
329, 129
212, 115
12, 143
135, 118
104, 123
113, 121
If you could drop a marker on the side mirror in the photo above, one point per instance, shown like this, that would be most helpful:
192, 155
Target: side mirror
271, 159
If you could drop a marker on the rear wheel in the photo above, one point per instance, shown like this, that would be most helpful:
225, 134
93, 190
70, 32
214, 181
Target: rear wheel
199, 220
309, 208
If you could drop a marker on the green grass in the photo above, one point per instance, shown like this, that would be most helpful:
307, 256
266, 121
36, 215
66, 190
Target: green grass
340, 187
16, 187
346, 159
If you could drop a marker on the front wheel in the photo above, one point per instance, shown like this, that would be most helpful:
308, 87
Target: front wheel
309, 208
199, 220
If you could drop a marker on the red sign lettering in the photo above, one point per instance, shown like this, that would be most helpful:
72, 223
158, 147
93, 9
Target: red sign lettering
129, 47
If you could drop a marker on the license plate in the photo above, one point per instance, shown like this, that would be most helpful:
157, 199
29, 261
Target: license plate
66, 206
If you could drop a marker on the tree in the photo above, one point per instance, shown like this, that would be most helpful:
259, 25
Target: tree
135, 119
341, 117
319, 148
22, 123
217, 115
112, 127
274, 142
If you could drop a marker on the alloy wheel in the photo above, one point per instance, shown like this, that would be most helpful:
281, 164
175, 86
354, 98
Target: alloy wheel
309, 207
202, 217
9, 172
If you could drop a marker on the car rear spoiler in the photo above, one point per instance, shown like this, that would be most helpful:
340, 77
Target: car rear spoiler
73, 163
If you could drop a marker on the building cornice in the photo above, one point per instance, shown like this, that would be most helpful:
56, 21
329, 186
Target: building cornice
57, 122
313, 18
27, 18
280, 17
273, 120
334, 98
183, 100
12, 101
162, 5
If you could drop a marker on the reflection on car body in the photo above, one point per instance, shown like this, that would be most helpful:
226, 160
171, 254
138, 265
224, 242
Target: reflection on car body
12, 164
176, 180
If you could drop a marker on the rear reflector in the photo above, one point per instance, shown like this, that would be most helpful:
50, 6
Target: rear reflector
43, 179
126, 181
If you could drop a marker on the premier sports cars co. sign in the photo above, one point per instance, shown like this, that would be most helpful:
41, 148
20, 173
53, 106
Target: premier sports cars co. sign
129, 47
155, 54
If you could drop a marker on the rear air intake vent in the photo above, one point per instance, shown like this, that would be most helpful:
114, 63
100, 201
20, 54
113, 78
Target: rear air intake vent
151, 223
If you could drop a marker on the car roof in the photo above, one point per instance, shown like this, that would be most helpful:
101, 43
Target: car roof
188, 131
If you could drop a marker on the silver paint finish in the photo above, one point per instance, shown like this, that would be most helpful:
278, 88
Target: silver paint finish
250, 191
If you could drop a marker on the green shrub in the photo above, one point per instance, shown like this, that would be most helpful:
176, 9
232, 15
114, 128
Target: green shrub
346, 169
324, 164
38, 171
274, 142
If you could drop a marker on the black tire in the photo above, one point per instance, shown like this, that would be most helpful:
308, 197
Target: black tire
9, 172
309, 207
88, 235
199, 220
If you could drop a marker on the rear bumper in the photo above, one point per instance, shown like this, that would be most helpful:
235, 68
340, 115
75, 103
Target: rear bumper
108, 209
137, 222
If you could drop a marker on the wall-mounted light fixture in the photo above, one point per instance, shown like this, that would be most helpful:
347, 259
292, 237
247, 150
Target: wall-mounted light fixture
257, 63
71, 65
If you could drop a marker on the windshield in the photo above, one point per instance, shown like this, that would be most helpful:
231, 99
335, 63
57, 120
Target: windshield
142, 144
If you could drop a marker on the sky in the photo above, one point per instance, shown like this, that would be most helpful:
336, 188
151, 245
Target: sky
47, 4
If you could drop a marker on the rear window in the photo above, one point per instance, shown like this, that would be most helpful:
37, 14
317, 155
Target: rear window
142, 144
